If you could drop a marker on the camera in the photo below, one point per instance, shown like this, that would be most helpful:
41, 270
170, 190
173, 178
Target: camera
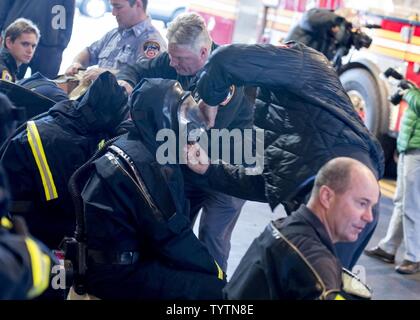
396, 97
403, 85
348, 36
360, 39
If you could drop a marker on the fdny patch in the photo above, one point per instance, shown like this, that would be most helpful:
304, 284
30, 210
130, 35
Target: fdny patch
5, 75
229, 96
151, 49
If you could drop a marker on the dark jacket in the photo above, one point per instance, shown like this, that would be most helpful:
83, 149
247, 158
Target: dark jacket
20, 256
307, 116
238, 113
40, 159
314, 30
134, 204
43, 13
16, 275
8, 66
17, 265
293, 258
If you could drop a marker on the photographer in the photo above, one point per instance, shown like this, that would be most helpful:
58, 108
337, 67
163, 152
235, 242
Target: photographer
318, 29
329, 33
404, 224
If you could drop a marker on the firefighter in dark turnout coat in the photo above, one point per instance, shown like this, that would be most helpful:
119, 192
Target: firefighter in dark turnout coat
294, 258
8, 66
139, 241
41, 157
318, 29
21, 257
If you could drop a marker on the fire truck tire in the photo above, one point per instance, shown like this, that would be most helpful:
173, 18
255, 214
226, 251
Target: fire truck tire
362, 87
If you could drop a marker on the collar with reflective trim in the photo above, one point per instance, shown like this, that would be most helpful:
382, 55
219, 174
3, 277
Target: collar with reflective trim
6, 223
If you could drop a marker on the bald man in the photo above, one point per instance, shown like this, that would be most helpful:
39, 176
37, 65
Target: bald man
294, 258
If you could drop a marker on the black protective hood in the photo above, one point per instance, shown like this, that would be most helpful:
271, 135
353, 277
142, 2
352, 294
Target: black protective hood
154, 105
104, 105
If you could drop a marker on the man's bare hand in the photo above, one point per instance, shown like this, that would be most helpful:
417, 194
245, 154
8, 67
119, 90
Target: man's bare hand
92, 74
209, 113
197, 159
126, 85
73, 69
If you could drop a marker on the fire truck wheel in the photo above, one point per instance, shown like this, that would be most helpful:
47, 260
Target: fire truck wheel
364, 93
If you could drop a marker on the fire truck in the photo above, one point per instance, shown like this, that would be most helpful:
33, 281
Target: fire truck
395, 43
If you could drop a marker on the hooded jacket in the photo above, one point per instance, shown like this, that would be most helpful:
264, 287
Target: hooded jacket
41, 157
135, 204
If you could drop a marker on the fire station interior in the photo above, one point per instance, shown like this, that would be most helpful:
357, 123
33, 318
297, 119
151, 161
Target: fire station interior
371, 71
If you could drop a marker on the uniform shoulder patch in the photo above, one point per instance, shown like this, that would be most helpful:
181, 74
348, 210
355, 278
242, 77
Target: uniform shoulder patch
5, 75
151, 49
229, 96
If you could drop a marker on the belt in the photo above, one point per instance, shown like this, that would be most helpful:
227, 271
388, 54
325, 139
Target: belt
113, 257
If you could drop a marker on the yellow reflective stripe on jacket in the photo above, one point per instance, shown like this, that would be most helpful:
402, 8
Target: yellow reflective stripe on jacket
5, 75
219, 271
40, 265
41, 161
6, 223
101, 144
339, 297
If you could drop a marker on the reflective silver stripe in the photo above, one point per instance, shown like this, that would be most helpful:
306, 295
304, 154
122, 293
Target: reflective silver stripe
41, 161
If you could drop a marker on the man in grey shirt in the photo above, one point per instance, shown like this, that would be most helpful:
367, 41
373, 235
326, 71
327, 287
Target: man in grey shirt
135, 37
